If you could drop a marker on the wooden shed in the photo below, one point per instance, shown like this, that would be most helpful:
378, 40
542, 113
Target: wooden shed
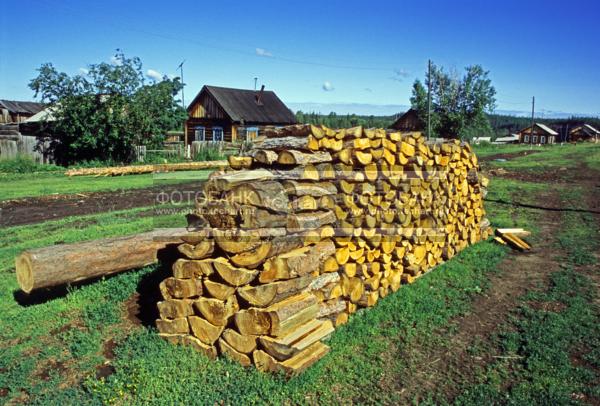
12, 111
584, 133
408, 121
225, 114
541, 134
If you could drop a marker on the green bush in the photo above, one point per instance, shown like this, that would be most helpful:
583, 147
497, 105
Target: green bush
26, 164
209, 153
158, 158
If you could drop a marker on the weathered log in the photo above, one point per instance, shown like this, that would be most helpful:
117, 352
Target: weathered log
217, 312
175, 308
209, 350
207, 332
292, 312
297, 340
240, 342
69, 263
233, 354
252, 322
305, 221
283, 143
175, 326
297, 262
233, 275
264, 295
198, 251
239, 162
293, 157
304, 359
269, 195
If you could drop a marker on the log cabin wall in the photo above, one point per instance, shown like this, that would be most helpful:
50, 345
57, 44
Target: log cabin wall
240, 113
539, 137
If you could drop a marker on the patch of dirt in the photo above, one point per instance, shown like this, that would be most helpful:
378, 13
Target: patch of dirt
3, 392
472, 347
580, 173
132, 307
51, 366
552, 307
37, 209
108, 349
66, 327
105, 369
508, 156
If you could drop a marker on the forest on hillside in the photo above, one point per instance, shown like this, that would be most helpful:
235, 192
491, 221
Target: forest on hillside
501, 125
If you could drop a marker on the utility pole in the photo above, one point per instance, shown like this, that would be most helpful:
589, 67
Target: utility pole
429, 99
255, 80
180, 67
532, 119
185, 132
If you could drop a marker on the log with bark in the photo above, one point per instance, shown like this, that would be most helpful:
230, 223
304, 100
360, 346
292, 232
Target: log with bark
70, 263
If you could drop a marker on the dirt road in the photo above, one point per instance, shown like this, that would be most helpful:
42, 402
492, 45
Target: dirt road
53, 207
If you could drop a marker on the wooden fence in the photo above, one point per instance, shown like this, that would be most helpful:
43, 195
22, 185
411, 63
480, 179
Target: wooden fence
22, 145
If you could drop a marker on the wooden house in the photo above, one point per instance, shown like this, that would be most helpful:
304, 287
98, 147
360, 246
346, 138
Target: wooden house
541, 134
15, 112
408, 121
224, 114
584, 133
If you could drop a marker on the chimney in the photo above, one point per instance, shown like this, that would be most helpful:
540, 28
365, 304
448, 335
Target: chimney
258, 95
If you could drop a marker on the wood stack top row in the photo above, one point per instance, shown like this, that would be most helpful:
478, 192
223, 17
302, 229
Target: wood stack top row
307, 227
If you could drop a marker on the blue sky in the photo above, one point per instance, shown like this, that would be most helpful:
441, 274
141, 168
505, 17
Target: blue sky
326, 52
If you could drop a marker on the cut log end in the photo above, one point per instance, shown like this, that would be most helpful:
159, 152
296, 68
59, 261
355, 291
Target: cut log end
24, 272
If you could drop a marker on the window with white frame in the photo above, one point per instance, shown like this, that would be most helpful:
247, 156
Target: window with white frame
217, 134
199, 134
534, 139
543, 139
526, 138
251, 133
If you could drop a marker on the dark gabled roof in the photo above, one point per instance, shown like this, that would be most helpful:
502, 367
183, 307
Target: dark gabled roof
586, 128
241, 104
23, 107
409, 119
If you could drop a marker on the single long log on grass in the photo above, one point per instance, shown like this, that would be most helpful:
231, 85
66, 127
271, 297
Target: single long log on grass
68, 263
139, 169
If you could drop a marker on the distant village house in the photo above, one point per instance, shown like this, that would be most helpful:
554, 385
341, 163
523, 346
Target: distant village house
408, 121
584, 133
541, 134
225, 114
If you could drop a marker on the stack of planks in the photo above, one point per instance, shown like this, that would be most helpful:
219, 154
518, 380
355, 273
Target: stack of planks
309, 226
512, 237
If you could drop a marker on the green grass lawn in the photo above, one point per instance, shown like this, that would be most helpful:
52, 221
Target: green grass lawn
549, 157
13, 186
486, 150
51, 352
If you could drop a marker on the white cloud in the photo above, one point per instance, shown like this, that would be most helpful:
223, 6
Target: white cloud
400, 75
115, 60
327, 86
171, 76
154, 75
84, 71
263, 52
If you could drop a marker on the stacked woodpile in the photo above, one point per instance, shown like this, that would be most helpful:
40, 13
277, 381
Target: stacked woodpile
309, 226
